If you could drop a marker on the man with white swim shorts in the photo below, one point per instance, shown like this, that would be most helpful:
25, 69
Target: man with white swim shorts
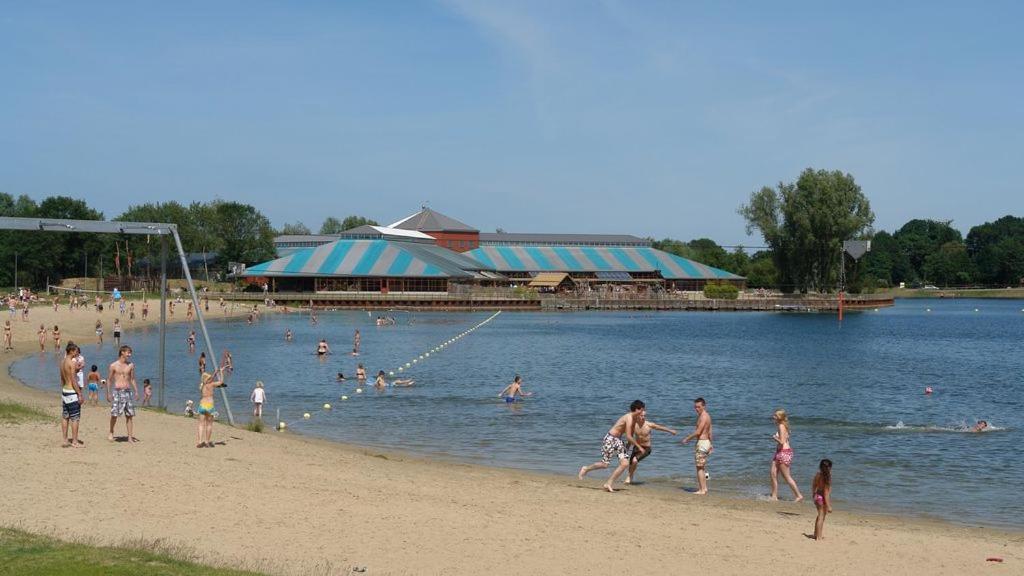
702, 432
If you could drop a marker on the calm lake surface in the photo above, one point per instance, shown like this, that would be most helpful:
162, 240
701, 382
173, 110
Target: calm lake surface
855, 393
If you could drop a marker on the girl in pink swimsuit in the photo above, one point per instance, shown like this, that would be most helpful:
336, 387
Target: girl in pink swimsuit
783, 457
822, 490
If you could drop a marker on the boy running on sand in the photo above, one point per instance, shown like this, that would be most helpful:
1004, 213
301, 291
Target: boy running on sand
614, 446
643, 438
71, 397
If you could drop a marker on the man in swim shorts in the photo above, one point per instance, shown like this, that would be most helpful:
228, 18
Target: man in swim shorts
121, 390
643, 437
702, 432
71, 398
613, 445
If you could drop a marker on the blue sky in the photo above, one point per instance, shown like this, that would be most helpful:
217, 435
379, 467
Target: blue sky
650, 118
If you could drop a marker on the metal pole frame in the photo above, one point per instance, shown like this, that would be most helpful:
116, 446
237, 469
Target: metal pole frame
163, 319
131, 228
199, 315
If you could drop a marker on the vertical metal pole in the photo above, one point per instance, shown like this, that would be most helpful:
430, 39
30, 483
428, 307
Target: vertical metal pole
15, 271
199, 314
163, 319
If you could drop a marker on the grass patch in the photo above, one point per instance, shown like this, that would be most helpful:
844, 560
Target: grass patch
255, 426
14, 413
25, 553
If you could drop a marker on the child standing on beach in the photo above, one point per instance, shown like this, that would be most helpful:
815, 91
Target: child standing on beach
204, 428
147, 392
8, 343
42, 338
822, 490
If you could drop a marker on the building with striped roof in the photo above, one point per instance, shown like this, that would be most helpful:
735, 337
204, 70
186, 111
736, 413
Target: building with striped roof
431, 252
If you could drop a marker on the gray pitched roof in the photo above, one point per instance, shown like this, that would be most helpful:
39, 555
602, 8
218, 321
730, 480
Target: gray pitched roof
427, 220
562, 239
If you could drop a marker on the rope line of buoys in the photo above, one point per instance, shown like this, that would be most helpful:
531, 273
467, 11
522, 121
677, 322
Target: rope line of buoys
327, 407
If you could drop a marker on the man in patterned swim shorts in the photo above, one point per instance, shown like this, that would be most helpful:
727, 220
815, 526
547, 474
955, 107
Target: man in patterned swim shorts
71, 397
121, 390
614, 446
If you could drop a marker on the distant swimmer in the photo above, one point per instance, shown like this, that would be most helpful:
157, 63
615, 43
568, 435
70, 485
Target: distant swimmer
322, 348
341, 377
613, 445
357, 340
510, 392
360, 373
981, 426
380, 383
288, 335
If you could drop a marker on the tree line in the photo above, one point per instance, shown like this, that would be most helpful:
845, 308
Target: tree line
233, 231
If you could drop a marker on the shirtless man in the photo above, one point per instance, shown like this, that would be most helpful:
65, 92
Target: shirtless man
510, 392
702, 432
614, 446
643, 437
356, 341
121, 381
71, 397
322, 348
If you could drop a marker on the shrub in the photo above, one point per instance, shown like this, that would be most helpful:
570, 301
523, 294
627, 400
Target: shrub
721, 291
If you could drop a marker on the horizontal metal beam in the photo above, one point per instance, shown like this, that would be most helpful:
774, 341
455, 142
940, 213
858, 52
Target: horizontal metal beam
94, 226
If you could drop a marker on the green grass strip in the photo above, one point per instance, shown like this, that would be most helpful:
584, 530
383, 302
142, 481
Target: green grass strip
14, 413
25, 553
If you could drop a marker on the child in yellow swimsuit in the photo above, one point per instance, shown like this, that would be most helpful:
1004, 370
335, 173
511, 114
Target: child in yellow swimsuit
204, 426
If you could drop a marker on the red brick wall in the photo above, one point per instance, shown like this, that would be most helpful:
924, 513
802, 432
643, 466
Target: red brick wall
458, 241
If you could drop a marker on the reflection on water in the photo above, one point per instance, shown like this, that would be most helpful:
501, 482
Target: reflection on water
854, 392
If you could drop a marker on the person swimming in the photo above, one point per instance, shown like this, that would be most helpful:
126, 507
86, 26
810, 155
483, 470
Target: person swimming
322, 348
981, 426
341, 377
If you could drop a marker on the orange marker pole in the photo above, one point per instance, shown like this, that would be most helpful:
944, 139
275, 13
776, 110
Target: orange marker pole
841, 299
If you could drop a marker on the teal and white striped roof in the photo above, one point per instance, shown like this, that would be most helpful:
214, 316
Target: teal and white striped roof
507, 259
380, 258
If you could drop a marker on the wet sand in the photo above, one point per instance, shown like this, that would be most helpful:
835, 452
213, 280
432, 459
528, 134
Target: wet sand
295, 505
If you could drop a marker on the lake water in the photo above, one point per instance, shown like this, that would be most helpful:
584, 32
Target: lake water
855, 393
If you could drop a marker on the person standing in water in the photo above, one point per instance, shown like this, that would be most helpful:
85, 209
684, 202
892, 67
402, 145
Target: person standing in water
356, 341
613, 446
783, 458
510, 392
704, 435
322, 349
258, 397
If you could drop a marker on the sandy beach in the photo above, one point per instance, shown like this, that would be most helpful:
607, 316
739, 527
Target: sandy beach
294, 505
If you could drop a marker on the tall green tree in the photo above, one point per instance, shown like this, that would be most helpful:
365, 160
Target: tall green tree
351, 222
805, 223
997, 249
920, 238
949, 265
331, 225
246, 233
886, 264
296, 229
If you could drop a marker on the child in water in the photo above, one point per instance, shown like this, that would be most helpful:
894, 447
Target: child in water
514, 389
821, 487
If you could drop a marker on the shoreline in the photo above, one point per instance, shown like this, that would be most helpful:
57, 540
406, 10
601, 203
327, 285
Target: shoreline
399, 512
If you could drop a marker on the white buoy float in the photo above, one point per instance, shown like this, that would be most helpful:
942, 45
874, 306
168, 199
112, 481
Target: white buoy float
327, 406
306, 416
344, 397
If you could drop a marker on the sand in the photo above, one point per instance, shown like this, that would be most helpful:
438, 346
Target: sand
294, 505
